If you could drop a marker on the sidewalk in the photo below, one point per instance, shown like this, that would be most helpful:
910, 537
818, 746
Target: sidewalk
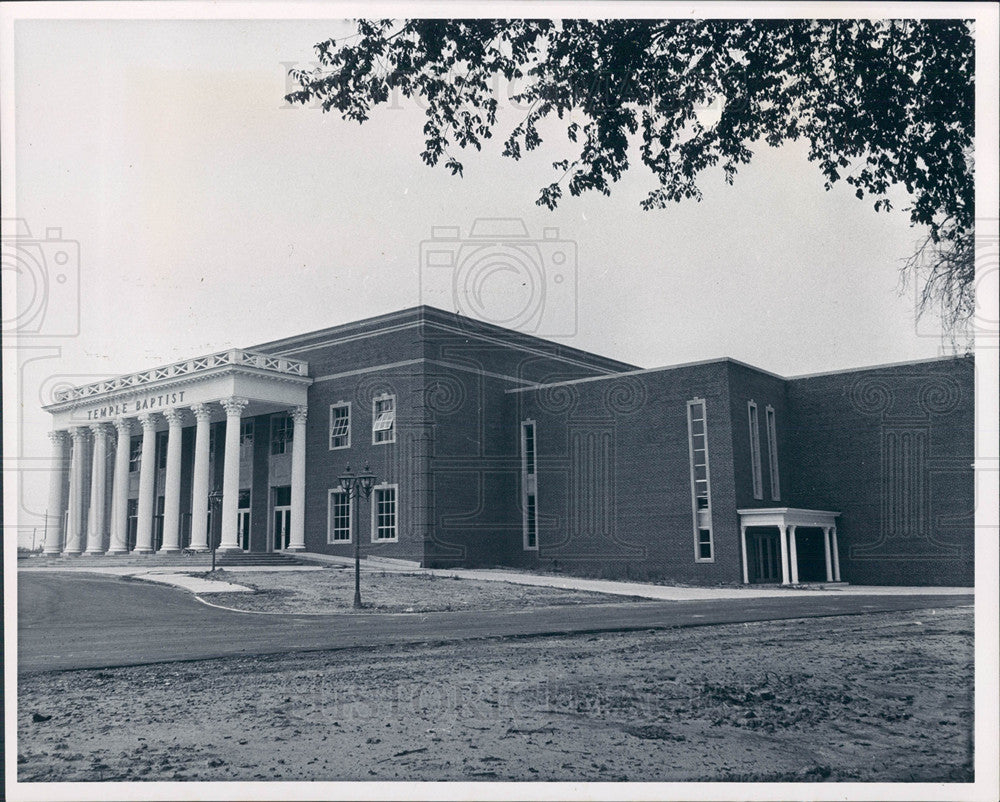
181, 577
641, 589
178, 576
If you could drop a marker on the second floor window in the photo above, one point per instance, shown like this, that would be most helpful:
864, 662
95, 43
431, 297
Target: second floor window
135, 455
281, 434
340, 425
384, 419
161, 450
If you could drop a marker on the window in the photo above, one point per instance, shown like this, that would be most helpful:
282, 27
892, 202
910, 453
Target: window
772, 453
701, 498
758, 482
338, 518
704, 544
161, 450
281, 433
384, 419
135, 455
530, 525
384, 518
246, 439
529, 486
340, 425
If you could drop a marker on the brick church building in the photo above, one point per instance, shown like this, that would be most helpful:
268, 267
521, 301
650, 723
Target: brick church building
495, 448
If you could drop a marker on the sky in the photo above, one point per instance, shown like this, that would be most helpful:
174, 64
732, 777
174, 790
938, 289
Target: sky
210, 214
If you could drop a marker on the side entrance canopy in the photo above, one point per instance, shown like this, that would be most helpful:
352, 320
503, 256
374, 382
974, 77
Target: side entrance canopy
787, 520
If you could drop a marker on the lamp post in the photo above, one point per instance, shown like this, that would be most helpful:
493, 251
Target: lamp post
215, 500
354, 486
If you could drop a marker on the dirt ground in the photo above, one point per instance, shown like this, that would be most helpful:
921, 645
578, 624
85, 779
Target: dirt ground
883, 697
332, 591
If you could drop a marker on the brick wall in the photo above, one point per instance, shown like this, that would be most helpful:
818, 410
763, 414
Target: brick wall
614, 482
891, 449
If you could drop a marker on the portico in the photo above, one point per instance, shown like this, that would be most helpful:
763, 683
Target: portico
787, 521
113, 493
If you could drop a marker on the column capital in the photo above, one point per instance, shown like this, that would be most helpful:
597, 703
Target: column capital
175, 417
78, 433
234, 406
299, 414
58, 436
148, 421
99, 429
124, 426
202, 412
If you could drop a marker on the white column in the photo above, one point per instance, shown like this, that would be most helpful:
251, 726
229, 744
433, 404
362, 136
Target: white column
743, 542
793, 555
826, 553
231, 474
54, 520
75, 522
119, 490
97, 525
172, 483
784, 555
297, 535
836, 556
199, 490
147, 485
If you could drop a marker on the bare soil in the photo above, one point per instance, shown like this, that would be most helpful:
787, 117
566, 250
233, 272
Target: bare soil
332, 591
882, 697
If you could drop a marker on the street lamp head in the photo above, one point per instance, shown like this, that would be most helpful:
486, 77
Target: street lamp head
347, 479
367, 480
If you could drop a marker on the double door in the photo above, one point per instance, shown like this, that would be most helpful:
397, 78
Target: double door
281, 517
765, 557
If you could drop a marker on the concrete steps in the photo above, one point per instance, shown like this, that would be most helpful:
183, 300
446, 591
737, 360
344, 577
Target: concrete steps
235, 559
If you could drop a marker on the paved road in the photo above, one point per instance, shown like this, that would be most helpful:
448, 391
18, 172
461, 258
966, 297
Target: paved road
68, 621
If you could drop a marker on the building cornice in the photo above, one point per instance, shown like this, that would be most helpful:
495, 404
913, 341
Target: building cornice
232, 362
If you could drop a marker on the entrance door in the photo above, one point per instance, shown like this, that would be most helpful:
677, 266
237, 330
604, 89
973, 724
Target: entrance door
158, 524
766, 553
243, 521
281, 517
133, 524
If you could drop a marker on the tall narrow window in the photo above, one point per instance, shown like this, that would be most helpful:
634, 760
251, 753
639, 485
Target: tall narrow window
246, 439
161, 450
246, 432
340, 425
529, 486
758, 482
384, 518
338, 521
772, 454
384, 419
135, 455
701, 498
281, 433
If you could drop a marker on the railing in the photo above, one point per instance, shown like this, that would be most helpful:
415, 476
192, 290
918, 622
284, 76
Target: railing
235, 356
